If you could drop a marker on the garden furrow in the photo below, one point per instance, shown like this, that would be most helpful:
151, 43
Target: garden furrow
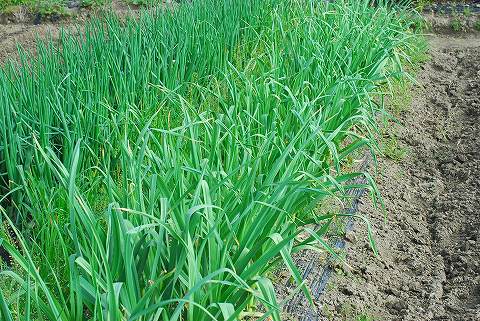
428, 266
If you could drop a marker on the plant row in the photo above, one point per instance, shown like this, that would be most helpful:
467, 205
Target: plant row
155, 168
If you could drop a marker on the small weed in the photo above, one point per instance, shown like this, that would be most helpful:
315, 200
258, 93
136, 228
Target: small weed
401, 98
365, 317
419, 52
421, 4
477, 25
330, 286
391, 147
140, 2
456, 25
467, 12
93, 3
274, 273
418, 23
393, 150
402, 90
327, 312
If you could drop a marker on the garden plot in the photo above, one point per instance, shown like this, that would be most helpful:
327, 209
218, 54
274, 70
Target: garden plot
157, 167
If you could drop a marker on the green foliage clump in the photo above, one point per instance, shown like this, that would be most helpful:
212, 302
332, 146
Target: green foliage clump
477, 25
456, 24
11, 3
154, 168
42, 7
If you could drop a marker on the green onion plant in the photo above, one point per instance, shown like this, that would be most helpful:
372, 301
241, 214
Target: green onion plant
153, 168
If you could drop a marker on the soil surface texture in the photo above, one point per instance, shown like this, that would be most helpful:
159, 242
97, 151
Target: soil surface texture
25, 35
428, 267
21, 30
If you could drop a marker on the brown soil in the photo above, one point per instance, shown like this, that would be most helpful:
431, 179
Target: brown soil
455, 24
23, 35
20, 29
428, 266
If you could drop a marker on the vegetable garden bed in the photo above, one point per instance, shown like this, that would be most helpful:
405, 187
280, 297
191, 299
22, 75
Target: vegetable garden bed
154, 168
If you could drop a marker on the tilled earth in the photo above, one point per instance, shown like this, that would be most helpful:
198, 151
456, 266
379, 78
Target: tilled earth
21, 29
428, 266
24, 35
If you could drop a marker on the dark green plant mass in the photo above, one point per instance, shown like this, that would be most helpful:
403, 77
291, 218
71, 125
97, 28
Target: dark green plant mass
153, 168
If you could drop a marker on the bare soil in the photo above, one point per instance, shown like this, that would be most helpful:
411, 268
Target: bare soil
428, 267
21, 29
24, 35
